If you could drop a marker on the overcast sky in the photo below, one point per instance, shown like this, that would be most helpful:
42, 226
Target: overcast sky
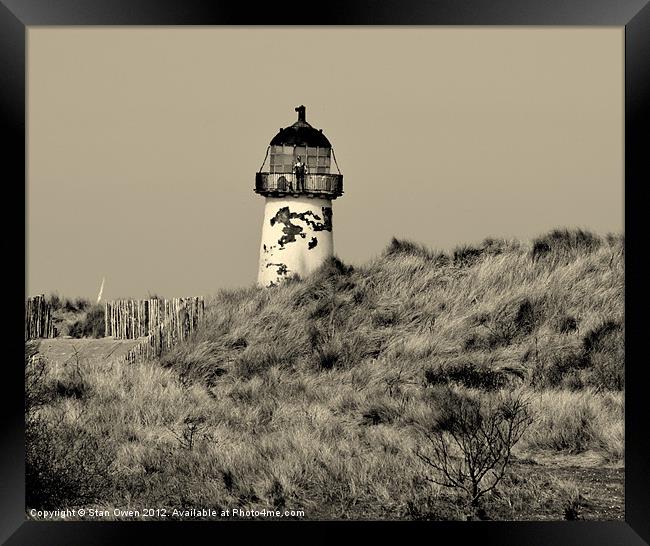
143, 143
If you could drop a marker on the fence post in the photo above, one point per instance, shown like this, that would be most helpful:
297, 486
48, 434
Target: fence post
38, 318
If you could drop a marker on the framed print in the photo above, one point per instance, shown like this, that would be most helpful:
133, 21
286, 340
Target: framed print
374, 266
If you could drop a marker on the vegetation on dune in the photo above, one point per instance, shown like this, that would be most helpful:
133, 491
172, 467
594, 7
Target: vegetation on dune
315, 394
70, 305
65, 463
90, 325
76, 317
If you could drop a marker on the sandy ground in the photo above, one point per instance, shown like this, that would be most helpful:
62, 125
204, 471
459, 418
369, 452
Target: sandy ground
63, 350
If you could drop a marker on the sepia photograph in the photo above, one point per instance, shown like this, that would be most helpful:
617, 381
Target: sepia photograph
206, 338
325, 273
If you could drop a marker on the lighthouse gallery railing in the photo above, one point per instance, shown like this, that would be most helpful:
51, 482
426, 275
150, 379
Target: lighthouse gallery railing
328, 184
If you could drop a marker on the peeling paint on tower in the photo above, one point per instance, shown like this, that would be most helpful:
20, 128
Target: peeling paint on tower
281, 270
297, 234
291, 230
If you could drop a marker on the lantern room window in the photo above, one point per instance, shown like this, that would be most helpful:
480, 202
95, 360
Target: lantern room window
315, 151
284, 157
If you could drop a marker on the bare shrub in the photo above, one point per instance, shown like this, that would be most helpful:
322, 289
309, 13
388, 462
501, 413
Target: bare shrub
470, 441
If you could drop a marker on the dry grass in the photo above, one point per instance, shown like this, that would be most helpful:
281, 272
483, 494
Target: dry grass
306, 395
576, 422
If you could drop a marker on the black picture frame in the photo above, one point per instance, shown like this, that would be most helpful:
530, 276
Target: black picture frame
634, 15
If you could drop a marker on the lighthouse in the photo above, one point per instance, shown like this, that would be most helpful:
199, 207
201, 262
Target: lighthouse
298, 187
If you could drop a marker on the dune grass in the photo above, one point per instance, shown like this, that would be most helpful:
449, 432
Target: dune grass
76, 317
308, 395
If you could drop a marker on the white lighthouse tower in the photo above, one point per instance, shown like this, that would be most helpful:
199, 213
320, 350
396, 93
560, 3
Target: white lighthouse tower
299, 189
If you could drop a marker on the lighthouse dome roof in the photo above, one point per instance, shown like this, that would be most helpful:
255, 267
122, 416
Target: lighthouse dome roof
301, 133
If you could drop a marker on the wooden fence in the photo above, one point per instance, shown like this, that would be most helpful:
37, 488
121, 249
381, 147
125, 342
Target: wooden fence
172, 320
152, 346
177, 320
38, 318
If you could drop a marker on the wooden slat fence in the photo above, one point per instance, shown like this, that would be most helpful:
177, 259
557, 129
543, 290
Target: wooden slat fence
131, 319
163, 323
38, 318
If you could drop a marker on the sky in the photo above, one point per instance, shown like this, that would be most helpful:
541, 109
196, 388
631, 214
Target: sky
143, 143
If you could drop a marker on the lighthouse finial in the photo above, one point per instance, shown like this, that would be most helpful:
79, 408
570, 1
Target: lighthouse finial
301, 113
